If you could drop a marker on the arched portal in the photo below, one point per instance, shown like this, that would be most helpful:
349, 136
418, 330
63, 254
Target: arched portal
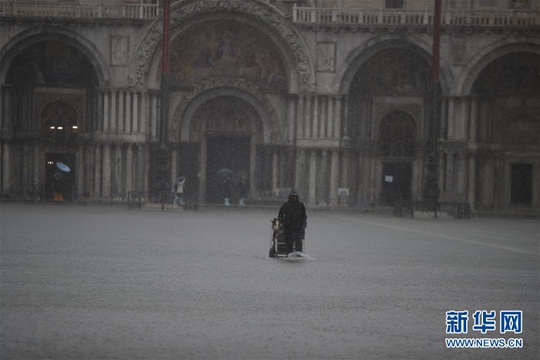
59, 80
229, 132
508, 129
386, 108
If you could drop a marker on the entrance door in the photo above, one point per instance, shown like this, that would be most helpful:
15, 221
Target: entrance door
225, 152
57, 178
522, 184
397, 179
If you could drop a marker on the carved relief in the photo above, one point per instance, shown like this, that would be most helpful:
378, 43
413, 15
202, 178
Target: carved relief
203, 86
326, 57
119, 50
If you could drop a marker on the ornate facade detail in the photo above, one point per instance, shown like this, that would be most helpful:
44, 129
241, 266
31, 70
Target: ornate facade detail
182, 11
210, 84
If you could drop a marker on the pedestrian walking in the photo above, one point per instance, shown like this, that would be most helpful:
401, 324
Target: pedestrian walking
58, 187
242, 189
227, 188
179, 190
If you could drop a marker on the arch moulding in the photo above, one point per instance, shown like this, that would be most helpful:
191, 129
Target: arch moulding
185, 10
490, 53
360, 55
209, 89
33, 36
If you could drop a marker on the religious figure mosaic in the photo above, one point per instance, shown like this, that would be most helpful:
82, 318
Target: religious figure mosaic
226, 50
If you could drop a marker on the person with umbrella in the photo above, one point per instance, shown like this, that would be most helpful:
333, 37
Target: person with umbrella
59, 181
292, 216
179, 189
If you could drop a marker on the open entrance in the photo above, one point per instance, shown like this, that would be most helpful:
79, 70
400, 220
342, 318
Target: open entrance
230, 129
227, 155
60, 176
397, 178
522, 184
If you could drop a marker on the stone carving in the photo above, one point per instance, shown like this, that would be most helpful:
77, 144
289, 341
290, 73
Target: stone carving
182, 11
119, 50
326, 57
205, 85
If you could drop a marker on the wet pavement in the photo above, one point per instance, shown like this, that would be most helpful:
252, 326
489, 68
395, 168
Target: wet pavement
91, 282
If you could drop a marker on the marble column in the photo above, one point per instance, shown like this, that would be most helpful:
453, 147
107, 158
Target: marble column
174, 166
334, 177
275, 170
129, 168
106, 172
449, 181
300, 117
114, 119
121, 107
323, 197
135, 113
144, 166
345, 119
337, 121
106, 110
292, 119
118, 171
330, 118
312, 192
315, 127
308, 117
144, 115
345, 163
298, 169
129, 119
203, 164
98, 171
471, 186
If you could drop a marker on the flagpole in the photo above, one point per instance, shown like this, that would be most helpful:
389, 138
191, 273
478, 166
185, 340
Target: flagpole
165, 72
161, 167
431, 190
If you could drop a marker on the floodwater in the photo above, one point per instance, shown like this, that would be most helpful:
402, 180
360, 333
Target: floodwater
107, 283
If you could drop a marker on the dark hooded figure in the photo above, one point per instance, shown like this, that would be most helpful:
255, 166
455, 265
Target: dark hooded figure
292, 215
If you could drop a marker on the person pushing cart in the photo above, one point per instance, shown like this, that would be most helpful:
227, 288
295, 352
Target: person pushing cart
292, 216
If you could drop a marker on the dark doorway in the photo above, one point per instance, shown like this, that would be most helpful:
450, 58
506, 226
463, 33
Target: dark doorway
522, 184
57, 180
397, 178
225, 152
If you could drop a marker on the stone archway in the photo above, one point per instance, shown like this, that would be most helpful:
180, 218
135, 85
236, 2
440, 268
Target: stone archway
226, 131
507, 129
386, 118
54, 74
32, 37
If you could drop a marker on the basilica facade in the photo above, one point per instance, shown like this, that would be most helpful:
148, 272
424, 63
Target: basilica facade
326, 97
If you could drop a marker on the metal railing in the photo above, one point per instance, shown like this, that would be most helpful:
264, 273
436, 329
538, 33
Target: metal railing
335, 16
81, 10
